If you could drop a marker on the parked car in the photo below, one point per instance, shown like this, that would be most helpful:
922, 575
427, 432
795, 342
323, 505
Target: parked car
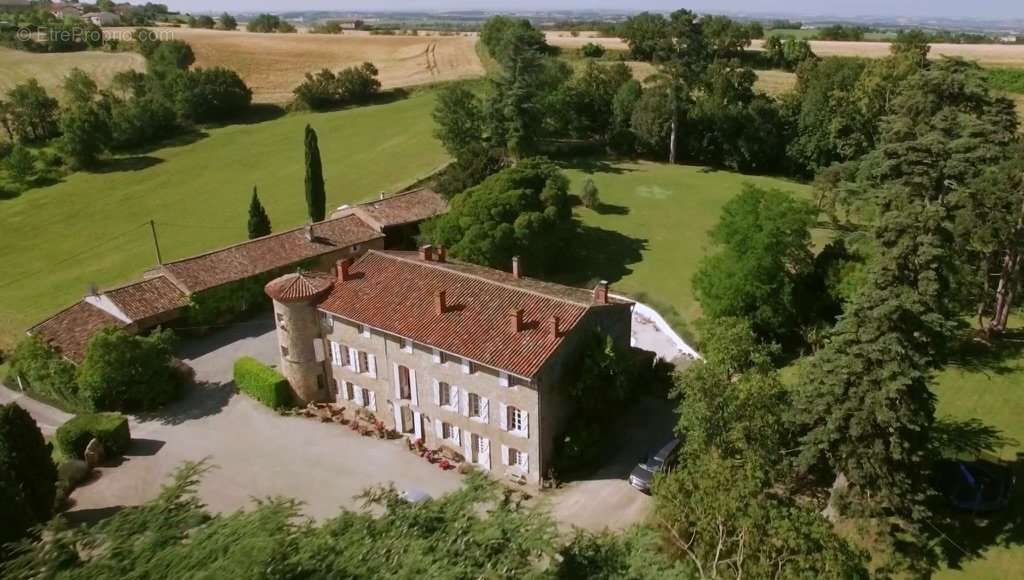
642, 475
978, 486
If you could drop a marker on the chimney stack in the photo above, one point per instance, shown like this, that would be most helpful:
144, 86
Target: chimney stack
601, 292
94, 290
427, 253
382, 195
441, 254
441, 302
556, 324
343, 274
309, 232
515, 320
516, 267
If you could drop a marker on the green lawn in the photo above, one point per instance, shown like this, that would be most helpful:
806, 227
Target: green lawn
56, 240
663, 212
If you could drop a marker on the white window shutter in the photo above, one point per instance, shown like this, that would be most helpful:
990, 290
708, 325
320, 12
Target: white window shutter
397, 380
453, 396
467, 367
485, 452
504, 454
437, 356
359, 396
503, 379
335, 354
524, 462
484, 409
372, 361
353, 359
318, 349
467, 446
526, 423
398, 417
406, 345
412, 387
373, 401
456, 434
437, 393
503, 416
464, 399
438, 428
417, 425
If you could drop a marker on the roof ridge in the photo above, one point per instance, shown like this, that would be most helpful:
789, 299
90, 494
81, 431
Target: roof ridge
142, 281
440, 266
392, 196
65, 309
267, 237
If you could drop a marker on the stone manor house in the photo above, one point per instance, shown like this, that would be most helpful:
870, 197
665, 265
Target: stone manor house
450, 353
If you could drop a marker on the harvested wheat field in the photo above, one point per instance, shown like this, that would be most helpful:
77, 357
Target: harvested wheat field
566, 40
772, 82
50, 69
273, 64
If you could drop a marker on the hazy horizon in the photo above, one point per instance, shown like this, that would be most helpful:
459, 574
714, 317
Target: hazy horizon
979, 9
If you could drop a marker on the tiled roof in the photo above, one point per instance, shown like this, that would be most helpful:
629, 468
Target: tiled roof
402, 208
268, 253
299, 286
148, 298
69, 330
396, 292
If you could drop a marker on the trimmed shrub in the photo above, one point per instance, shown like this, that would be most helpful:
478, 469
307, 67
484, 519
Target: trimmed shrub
262, 383
45, 374
27, 475
110, 428
123, 372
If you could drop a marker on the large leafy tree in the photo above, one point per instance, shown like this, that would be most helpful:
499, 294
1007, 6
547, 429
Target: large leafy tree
587, 100
30, 113
521, 211
316, 196
85, 120
765, 249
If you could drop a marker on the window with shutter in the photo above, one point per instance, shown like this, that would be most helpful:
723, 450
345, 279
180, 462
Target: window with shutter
503, 379
503, 416
404, 383
524, 462
371, 361
352, 357
413, 389
406, 345
484, 409
373, 400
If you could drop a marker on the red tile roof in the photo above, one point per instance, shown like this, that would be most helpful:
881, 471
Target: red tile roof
299, 286
396, 292
148, 298
402, 208
268, 253
69, 330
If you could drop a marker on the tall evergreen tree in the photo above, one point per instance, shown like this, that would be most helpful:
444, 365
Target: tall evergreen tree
28, 477
316, 197
259, 221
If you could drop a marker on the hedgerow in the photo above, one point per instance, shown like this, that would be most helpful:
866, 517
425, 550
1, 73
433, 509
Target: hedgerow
110, 428
262, 383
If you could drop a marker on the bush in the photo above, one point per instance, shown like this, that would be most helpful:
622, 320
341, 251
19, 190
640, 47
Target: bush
45, 373
262, 383
590, 196
213, 94
592, 50
110, 428
325, 89
122, 372
27, 475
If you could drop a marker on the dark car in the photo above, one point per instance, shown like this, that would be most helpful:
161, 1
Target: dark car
979, 486
642, 475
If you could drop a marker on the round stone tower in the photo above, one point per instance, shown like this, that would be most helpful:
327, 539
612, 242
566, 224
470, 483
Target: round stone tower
298, 330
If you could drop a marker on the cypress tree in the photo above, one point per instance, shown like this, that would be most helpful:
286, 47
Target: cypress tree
28, 477
316, 197
259, 221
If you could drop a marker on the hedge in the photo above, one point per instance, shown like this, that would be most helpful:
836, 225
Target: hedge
262, 383
110, 428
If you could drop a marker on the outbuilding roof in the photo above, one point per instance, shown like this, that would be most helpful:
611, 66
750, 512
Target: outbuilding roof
404, 208
69, 330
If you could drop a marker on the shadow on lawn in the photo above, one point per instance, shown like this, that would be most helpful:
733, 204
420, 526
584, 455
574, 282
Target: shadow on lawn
600, 254
975, 355
596, 165
120, 164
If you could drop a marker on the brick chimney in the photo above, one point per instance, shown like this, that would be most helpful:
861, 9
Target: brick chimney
516, 267
441, 254
515, 320
556, 327
441, 302
601, 292
427, 253
342, 270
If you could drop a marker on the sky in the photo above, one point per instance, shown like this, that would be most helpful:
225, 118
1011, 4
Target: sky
986, 9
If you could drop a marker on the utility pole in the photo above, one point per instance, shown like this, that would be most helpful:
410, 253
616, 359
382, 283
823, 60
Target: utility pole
156, 243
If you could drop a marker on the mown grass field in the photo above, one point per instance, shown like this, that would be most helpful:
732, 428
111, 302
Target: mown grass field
667, 210
50, 69
56, 240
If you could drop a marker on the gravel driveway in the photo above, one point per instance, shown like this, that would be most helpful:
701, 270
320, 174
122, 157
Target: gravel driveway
257, 452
